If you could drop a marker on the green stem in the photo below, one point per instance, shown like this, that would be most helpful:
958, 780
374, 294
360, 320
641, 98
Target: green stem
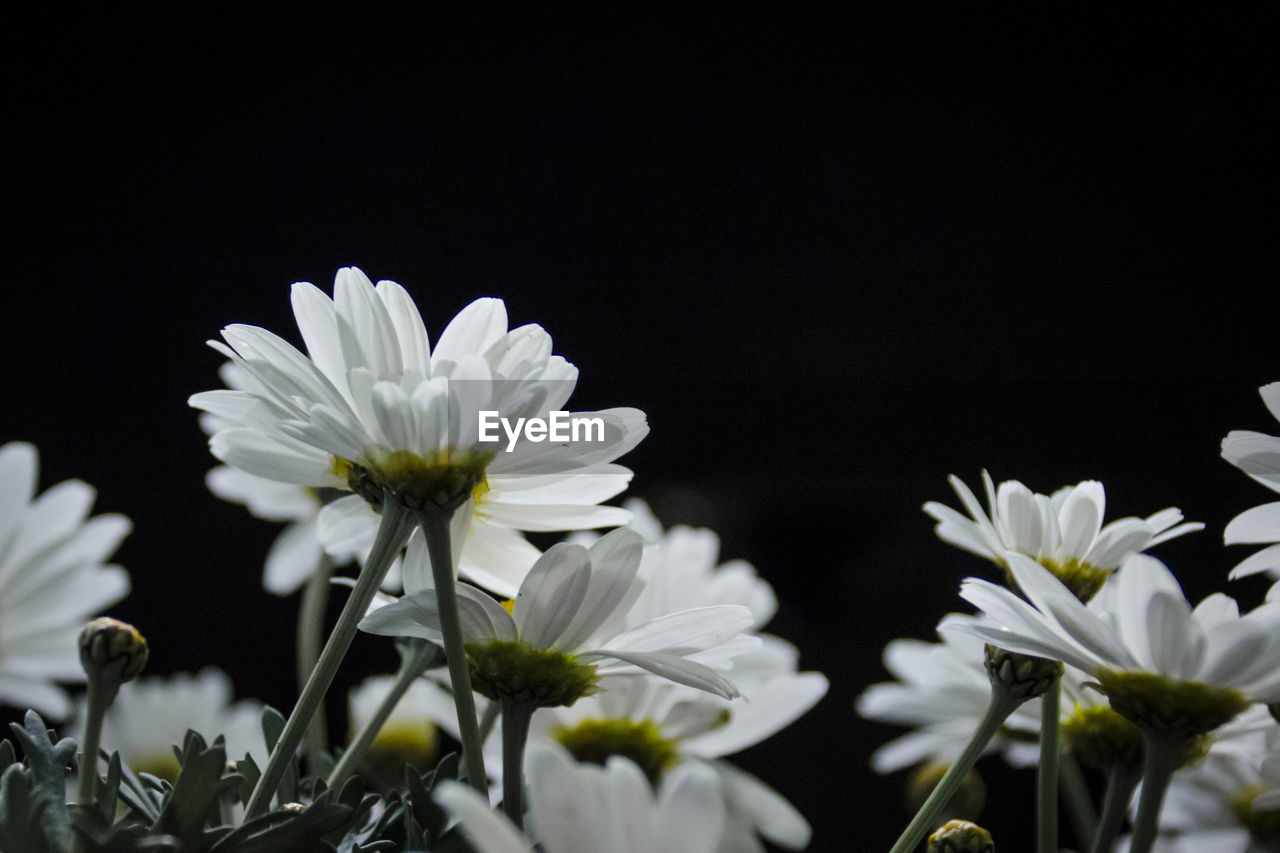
487, 719
315, 600
1002, 705
1121, 780
98, 701
412, 664
1162, 752
1047, 773
1084, 817
392, 532
515, 732
435, 527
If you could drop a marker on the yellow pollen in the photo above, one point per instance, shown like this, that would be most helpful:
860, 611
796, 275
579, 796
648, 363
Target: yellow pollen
509, 605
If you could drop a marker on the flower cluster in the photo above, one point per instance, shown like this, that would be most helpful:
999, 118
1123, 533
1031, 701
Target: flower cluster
1153, 690
628, 662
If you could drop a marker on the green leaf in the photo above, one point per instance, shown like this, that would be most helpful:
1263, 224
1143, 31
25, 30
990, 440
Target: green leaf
249, 776
23, 808
7, 755
201, 783
272, 727
47, 762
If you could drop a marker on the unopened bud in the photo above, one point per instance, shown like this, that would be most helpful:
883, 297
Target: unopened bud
961, 836
112, 651
293, 808
1023, 675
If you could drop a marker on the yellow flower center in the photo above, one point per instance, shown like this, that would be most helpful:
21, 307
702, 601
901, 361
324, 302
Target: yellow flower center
1100, 737
1263, 824
1164, 704
541, 677
163, 765
1083, 579
401, 742
641, 741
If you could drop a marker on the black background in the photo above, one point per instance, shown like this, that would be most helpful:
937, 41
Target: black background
835, 256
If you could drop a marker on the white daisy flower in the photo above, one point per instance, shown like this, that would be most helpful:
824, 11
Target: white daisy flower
376, 411
1161, 663
53, 578
583, 808
662, 726
152, 715
1062, 531
409, 733
943, 692
1258, 455
563, 632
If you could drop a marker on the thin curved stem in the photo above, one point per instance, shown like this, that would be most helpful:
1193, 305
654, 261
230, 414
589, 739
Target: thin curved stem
315, 600
1047, 773
1121, 780
392, 532
435, 527
412, 665
1162, 752
1002, 705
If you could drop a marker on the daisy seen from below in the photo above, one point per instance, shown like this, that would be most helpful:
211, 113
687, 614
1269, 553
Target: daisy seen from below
408, 735
563, 634
662, 726
563, 630
54, 576
1258, 455
373, 409
585, 808
1062, 531
1174, 671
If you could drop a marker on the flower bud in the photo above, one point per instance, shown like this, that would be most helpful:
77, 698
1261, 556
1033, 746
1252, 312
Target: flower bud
1023, 675
961, 836
293, 808
112, 651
